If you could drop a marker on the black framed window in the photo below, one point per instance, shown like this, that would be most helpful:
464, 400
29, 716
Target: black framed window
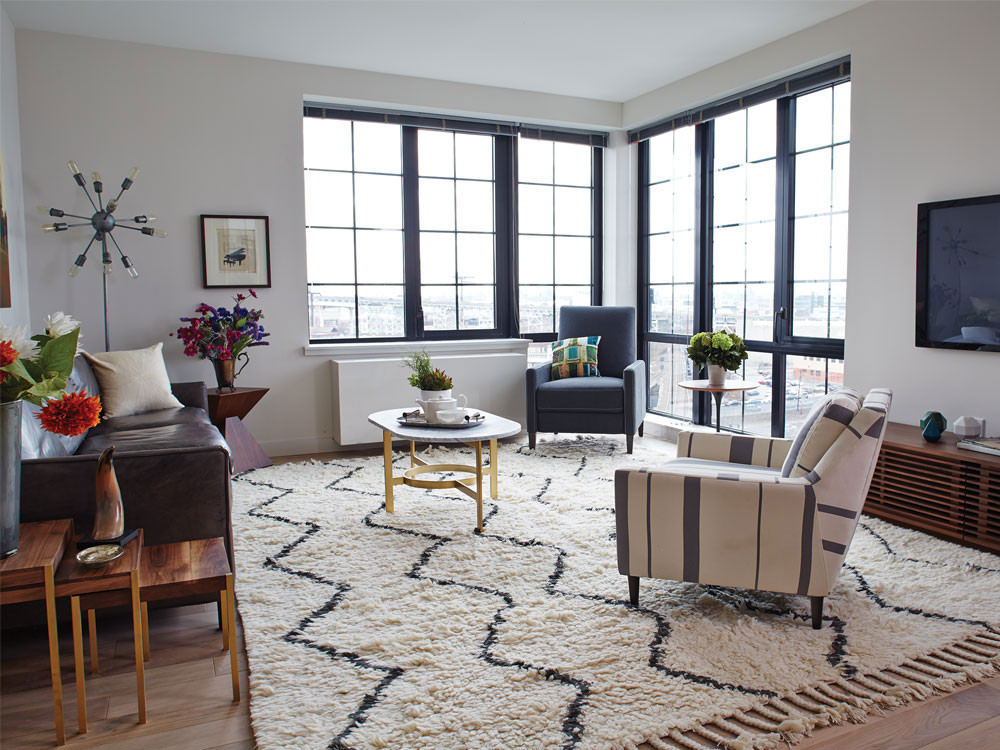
413, 226
767, 252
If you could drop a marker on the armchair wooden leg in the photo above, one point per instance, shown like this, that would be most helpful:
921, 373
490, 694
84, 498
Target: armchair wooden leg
817, 611
531, 440
633, 590
628, 443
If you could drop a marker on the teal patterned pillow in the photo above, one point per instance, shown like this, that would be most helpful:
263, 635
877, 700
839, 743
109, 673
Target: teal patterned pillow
575, 358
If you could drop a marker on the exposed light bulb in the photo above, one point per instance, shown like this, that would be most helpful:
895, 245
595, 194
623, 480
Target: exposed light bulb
72, 167
159, 233
129, 267
59, 227
74, 269
149, 231
132, 272
43, 210
95, 176
143, 219
133, 174
107, 268
112, 205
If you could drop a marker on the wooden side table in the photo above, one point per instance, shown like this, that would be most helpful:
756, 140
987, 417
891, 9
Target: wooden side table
110, 584
226, 409
718, 391
28, 576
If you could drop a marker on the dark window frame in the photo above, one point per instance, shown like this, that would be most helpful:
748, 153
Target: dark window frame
506, 287
784, 343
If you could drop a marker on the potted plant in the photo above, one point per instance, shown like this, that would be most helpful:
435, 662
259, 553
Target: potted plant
433, 383
720, 351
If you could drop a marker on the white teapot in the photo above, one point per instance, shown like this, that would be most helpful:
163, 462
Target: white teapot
432, 406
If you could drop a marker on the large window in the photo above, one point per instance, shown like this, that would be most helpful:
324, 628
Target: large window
743, 224
421, 231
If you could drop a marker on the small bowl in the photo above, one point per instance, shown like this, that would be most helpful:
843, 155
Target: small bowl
99, 556
450, 416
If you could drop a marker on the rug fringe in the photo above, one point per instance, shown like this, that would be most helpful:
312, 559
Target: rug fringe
785, 720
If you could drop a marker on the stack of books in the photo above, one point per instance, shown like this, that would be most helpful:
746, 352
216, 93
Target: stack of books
983, 445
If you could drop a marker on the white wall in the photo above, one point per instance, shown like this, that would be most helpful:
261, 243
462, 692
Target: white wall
10, 144
925, 122
212, 134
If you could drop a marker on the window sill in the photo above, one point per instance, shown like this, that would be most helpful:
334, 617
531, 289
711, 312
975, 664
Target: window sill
362, 349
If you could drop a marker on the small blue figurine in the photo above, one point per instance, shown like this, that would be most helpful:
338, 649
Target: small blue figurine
932, 424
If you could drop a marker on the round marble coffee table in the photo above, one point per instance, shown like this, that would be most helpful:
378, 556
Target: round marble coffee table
492, 428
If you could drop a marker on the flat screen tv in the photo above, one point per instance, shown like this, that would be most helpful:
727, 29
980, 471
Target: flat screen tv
958, 274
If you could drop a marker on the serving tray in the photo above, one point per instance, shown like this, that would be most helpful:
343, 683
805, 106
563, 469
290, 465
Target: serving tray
418, 419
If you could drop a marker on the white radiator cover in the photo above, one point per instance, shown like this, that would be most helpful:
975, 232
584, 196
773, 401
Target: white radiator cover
492, 381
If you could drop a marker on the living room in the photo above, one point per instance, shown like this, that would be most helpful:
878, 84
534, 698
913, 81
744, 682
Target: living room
232, 112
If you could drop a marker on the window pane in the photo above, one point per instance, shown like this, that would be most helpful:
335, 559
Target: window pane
535, 259
437, 204
572, 295
534, 160
661, 157
684, 309
661, 308
730, 196
760, 251
814, 119
807, 380
669, 365
437, 258
683, 203
661, 256
474, 206
838, 309
812, 182
475, 307
730, 139
661, 207
474, 156
330, 256
728, 254
475, 258
329, 199
838, 247
326, 144
812, 248
378, 147
810, 313
435, 153
573, 260
750, 411
572, 210
728, 301
760, 191
573, 164
380, 257
762, 131
440, 304
534, 209
537, 306
842, 112
380, 311
841, 175
684, 256
331, 312
378, 201
759, 312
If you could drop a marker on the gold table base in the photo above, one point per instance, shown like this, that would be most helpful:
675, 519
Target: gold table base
470, 486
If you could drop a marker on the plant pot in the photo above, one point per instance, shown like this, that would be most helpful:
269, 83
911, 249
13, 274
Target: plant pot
10, 477
716, 374
430, 395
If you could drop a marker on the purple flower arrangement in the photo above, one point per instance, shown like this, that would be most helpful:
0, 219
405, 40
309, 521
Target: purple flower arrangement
218, 333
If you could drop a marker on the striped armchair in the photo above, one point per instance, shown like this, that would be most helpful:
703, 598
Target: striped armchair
755, 513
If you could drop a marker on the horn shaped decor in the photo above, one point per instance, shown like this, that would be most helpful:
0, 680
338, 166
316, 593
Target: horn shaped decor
109, 518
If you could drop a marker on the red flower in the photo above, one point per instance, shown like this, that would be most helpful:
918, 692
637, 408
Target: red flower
7, 353
252, 293
73, 414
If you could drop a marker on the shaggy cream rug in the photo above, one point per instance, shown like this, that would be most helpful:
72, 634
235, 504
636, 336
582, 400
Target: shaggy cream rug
409, 630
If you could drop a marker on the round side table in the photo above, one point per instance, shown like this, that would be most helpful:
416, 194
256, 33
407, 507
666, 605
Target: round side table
718, 391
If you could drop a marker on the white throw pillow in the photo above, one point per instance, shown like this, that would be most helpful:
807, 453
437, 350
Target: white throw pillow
133, 382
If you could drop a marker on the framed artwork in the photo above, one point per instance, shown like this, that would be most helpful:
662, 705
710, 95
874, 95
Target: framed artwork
235, 251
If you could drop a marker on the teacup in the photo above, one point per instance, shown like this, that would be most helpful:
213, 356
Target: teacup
450, 416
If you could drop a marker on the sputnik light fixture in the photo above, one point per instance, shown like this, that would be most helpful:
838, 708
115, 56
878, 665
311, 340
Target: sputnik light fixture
103, 222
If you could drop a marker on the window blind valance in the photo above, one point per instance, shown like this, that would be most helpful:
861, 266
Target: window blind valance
433, 122
796, 84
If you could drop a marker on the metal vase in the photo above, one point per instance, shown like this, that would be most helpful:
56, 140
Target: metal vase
10, 477
226, 372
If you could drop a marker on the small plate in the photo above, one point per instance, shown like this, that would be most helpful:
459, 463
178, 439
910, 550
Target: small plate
99, 556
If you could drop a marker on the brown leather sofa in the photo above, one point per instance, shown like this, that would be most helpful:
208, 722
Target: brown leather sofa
173, 467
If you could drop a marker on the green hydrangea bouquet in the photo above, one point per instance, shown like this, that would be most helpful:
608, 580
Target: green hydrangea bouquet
722, 348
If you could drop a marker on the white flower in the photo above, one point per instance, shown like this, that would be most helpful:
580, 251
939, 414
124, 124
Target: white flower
59, 324
19, 338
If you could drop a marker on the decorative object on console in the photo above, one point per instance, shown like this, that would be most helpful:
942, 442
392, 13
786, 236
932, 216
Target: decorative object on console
109, 517
719, 351
235, 251
969, 427
575, 357
133, 381
989, 446
36, 370
432, 382
222, 335
103, 223
932, 424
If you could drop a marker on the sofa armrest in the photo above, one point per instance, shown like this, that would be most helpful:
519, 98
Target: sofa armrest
635, 395
733, 449
534, 377
720, 528
191, 394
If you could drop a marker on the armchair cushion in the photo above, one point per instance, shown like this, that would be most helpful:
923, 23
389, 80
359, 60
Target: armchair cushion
575, 357
595, 394
827, 419
733, 449
615, 326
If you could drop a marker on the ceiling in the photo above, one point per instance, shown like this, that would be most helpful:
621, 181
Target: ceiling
606, 50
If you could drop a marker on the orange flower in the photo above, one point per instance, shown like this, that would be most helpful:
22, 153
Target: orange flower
73, 414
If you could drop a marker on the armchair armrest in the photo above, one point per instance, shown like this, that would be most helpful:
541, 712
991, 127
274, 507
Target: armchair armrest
734, 449
534, 377
635, 395
719, 528
191, 394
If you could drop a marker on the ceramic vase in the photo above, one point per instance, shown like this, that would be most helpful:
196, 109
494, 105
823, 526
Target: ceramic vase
109, 514
716, 374
10, 477
968, 427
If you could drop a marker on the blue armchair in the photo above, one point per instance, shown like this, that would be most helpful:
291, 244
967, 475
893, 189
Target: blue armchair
615, 402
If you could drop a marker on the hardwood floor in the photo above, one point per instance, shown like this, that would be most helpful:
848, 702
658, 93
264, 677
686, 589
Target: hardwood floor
190, 706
